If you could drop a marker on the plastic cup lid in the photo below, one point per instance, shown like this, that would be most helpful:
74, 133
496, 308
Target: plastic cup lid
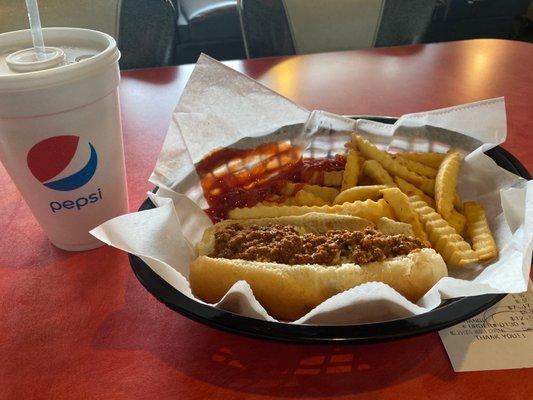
71, 54
26, 60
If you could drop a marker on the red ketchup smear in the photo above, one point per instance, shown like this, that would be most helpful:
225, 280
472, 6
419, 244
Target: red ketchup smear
314, 169
233, 178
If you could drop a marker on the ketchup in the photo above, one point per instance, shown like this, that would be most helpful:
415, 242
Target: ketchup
314, 169
325, 164
233, 178
244, 177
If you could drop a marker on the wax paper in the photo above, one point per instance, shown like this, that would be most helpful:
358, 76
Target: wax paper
221, 107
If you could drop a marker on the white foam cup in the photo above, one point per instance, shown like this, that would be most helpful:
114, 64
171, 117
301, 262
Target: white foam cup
60, 131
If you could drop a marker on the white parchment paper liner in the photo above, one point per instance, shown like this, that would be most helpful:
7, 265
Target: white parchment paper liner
220, 107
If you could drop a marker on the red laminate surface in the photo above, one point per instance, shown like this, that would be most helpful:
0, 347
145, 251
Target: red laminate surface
79, 325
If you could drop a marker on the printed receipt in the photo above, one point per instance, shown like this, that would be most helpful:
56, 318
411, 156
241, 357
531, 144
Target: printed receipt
498, 338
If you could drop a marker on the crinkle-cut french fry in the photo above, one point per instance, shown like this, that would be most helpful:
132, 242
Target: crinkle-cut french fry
361, 163
268, 203
324, 178
375, 171
290, 188
403, 210
369, 209
304, 198
427, 185
351, 170
351, 146
301, 198
327, 194
446, 182
430, 159
273, 198
457, 221
451, 246
359, 193
457, 203
479, 231
365, 180
411, 190
392, 166
415, 166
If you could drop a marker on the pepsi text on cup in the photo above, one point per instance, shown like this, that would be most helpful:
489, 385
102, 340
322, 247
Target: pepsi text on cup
57, 162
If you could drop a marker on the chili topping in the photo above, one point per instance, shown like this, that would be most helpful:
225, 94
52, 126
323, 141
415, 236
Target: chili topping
285, 245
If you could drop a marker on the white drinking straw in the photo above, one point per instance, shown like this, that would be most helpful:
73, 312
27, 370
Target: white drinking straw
35, 27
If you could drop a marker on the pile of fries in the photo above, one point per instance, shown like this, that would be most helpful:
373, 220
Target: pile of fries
415, 188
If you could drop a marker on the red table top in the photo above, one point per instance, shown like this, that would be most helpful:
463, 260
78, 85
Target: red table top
80, 325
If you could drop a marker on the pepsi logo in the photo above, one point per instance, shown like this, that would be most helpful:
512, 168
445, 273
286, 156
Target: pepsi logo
62, 163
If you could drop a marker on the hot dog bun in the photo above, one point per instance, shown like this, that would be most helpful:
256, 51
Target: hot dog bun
289, 291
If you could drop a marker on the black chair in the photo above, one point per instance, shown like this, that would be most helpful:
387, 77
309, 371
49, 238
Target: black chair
462, 19
147, 33
156, 33
208, 26
268, 31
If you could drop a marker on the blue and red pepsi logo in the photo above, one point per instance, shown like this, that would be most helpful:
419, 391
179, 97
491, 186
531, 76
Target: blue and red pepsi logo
49, 158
